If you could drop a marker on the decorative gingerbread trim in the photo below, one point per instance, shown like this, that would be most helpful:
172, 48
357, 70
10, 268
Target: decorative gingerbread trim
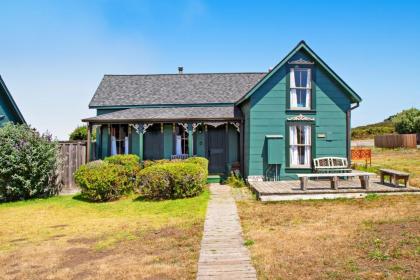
300, 118
301, 61
237, 125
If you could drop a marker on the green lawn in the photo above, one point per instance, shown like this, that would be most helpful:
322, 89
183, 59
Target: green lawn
65, 237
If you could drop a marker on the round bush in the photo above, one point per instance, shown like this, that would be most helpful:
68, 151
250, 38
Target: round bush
148, 163
172, 180
188, 179
29, 163
155, 182
203, 162
103, 181
131, 164
126, 160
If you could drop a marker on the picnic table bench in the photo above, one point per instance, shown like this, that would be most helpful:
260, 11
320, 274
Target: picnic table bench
334, 178
394, 176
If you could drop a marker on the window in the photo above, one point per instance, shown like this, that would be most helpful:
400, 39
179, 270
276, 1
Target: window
300, 145
119, 139
181, 141
300, 88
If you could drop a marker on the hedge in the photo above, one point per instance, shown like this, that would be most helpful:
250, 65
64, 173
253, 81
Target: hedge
131, 164
174, 179
103, 181
203, 162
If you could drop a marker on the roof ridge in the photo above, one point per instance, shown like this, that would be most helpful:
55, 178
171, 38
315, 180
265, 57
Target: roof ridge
187, 74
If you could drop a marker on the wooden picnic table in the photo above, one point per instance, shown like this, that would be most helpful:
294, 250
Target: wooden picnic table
334, 178
394, 176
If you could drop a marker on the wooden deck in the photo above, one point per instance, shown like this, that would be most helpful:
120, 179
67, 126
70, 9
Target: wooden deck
320, 189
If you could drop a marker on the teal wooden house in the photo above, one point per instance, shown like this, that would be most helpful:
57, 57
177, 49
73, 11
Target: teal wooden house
268, 125
9, 111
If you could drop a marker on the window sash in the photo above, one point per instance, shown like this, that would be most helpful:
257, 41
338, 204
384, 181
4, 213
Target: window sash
300, 154
299, 99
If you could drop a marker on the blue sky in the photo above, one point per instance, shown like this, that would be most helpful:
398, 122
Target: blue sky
53, 54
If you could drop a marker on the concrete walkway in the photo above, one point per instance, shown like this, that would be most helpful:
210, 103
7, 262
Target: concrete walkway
223, 255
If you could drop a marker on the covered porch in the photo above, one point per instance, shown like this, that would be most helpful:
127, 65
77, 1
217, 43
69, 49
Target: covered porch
170, 133
321, 189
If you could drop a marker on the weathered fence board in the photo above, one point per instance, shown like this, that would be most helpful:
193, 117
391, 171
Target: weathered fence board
396, 141
72, 155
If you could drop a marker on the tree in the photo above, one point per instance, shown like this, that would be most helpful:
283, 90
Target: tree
408, 121
80, 133
29, 163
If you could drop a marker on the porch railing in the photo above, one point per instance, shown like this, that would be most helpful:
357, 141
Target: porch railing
182, 156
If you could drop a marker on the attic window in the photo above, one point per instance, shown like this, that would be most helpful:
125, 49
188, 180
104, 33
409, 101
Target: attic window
300, 88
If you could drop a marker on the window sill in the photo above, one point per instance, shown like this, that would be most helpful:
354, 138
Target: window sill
300, 110
294, 169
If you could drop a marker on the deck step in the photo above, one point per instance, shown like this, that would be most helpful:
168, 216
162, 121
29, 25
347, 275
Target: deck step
214, 178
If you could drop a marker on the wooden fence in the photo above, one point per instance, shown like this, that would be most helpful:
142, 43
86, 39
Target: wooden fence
396, 141
73, 155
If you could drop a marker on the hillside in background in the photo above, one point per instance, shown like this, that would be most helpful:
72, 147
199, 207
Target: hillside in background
370, 130
406, 121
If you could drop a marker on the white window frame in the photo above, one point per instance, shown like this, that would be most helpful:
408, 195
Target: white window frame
308, 88
292, 144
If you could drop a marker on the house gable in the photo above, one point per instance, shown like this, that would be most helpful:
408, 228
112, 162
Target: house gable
303, 48
267, 112
9, 112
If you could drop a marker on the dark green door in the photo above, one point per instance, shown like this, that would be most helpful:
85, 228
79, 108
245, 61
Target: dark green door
216, 149
153, 143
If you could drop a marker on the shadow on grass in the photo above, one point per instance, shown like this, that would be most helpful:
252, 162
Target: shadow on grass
81, 197
146, 199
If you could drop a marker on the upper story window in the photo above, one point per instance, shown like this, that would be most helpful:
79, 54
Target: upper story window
300, 88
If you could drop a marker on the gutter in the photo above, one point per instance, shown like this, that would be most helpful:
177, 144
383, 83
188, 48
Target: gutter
348, 132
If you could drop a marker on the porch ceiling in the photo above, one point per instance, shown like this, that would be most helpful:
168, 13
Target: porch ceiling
169, 114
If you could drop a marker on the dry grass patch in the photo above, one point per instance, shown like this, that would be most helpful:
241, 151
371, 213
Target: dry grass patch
373, 238
407, 160
67, 238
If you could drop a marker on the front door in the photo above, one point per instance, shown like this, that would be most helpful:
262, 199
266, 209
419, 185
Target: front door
216, 149
153, 143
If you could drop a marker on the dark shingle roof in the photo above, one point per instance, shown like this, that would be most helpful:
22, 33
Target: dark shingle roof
169, 113
122, 90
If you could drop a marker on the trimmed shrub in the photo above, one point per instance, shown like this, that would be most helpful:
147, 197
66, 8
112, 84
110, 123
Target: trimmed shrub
188, 179
126, 160
103, 181
172, 180
203, 162
29, 163
148, 163
155, 182
131, 164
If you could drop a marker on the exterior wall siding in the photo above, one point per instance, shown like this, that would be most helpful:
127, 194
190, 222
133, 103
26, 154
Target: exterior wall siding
267, 114
6, 110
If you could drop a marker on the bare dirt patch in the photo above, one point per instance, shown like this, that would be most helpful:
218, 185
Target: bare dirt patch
341, 239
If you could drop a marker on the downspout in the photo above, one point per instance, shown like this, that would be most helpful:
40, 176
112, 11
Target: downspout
349, 131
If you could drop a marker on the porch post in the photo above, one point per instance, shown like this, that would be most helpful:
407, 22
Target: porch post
241, 148
227, 165
141, 130
89, 127
190, 140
